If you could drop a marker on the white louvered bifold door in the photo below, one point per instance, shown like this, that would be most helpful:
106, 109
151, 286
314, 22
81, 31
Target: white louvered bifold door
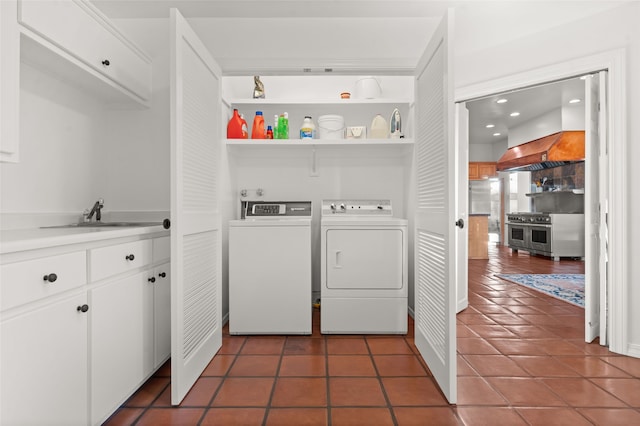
435, 276
196, 329
596, 204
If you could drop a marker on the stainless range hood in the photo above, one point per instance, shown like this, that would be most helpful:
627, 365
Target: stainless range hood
555, 150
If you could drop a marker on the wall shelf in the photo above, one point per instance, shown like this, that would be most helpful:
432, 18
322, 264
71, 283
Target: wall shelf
319, 142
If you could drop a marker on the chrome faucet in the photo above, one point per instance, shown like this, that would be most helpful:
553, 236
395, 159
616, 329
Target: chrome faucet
95, 210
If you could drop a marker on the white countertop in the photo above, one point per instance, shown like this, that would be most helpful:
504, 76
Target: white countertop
16, 240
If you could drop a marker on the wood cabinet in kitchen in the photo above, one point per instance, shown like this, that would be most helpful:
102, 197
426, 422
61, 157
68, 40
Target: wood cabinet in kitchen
482, 170
75, 42
82, 327
478, 236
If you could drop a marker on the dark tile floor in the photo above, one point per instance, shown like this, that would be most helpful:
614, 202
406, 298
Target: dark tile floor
521, 361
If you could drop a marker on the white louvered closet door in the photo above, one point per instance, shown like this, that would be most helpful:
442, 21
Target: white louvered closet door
435, 274
196, 329
596, 204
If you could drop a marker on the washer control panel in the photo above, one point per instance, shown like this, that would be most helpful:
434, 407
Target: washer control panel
275, 209
357, 207
268, 209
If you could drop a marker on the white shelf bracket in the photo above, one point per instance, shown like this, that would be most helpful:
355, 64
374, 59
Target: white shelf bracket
313, 171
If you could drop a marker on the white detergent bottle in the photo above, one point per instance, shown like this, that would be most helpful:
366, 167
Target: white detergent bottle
308, 129
379, 128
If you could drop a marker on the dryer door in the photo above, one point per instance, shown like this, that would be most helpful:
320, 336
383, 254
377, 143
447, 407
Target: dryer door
364, 259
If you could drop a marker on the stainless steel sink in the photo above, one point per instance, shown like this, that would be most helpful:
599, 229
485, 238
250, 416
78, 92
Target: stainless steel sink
104, 224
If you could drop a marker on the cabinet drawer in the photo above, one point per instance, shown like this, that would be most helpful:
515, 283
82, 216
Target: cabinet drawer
23, 282
161, 249
119, 258
87, 35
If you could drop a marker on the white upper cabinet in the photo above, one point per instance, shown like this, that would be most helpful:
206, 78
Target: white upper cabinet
9, 82
77, 32
73, 41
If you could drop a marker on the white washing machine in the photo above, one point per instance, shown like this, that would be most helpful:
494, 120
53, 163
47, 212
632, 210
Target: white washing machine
270, 268
363, 268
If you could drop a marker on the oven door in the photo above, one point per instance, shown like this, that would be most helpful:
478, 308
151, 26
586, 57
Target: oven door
540, 238
518, 235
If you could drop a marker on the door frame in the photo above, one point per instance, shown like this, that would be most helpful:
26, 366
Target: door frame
614, 61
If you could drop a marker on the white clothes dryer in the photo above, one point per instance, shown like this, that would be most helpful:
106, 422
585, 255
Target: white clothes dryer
270, 269
364, 283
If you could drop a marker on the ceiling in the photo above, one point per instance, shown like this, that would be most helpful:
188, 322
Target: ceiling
530, 103
286, 36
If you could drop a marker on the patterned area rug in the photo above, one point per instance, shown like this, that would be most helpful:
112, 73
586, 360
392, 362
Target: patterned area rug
567, 287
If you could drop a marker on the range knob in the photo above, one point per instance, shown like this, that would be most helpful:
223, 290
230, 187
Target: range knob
333, 207
343, 207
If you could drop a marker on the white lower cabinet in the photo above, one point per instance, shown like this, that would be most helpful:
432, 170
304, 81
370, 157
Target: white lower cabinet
44, 365
77, 345
162, 313
117, 343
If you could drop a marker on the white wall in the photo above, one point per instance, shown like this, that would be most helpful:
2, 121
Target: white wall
616, 28
543, 125
137, 151
564, 118
487, 152
61, 154
341, 175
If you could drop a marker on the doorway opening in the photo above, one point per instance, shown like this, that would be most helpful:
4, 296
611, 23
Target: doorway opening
511, 118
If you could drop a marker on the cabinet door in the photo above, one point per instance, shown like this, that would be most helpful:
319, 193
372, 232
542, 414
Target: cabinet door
9, 81
162, 313
44, 366
117, 343
486, 170
92, 39
473, 171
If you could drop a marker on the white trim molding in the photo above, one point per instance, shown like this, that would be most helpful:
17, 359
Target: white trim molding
614, 61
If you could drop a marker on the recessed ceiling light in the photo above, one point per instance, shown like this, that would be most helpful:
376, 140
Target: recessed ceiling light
490, 126
514, 114
496, 134
501, 101
575, 101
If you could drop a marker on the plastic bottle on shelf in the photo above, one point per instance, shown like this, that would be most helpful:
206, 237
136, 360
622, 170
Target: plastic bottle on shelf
284, 132
276, 135
281, 127
269, 132
245, 128
257, 131
308, 129
234, 127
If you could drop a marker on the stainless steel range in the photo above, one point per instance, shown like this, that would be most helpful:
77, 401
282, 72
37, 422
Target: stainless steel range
549, 234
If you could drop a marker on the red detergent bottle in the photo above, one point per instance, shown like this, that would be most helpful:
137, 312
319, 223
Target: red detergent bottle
234, 127
257, 132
